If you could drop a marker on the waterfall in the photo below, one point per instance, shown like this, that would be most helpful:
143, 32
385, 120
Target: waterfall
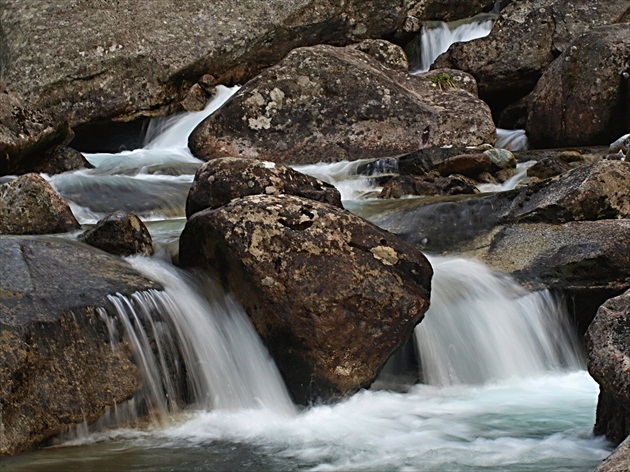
437, 36
483, 327
223, 363
514, 140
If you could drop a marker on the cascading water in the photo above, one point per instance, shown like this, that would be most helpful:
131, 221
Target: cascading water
483, 327
437, 36
509, 392
226, 365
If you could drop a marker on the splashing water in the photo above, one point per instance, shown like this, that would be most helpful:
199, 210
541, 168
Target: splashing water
226, 365
483, 327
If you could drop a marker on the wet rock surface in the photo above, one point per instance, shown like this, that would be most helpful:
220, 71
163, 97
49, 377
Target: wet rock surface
57, 366
331, 295
327, 104
29, 205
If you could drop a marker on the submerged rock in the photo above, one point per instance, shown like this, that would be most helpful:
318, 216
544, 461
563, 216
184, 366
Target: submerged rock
29, 205
327, 104
220, 181
331, 295
430, 184
57, 367
583, 98
608, 347
121, 234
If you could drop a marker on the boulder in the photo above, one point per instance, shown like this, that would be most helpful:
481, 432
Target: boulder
597, 191
584, 96
330, 104
608, 347
552, 165
26, 133
29, 205
121, 234
126, 59
61, 159
331, 295
57, 366
220, 181
430, 184
526, 38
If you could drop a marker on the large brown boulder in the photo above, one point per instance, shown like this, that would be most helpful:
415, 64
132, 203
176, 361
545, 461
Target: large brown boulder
608, 347
220, 181
327, 104
25, 134
584, 96
95, 60
331, 295
29, 205
57, 366
527, 37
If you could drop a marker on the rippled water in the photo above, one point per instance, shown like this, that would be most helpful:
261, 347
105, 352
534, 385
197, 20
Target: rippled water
536, 424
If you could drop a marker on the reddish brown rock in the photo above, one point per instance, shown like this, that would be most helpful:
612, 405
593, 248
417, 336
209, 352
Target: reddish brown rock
469, 165
331, 295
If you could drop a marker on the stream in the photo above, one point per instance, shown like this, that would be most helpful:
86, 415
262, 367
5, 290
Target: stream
505, 387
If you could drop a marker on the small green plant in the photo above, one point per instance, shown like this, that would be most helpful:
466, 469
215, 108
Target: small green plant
442, 80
